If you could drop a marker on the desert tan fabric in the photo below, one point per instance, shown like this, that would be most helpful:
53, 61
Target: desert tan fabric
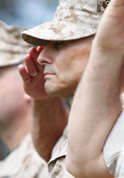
12, 47
114, 145
119, 173
113, 148
56, 164
73, 19
24, 162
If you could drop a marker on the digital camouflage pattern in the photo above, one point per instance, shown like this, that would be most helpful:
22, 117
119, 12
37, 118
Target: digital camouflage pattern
56, 165
24, 162
113, 151
12, 47
73, 19
120, 165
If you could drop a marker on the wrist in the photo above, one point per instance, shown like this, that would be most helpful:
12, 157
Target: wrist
46, 100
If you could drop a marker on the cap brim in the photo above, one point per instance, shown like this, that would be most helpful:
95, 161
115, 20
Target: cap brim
12, 47
60, 31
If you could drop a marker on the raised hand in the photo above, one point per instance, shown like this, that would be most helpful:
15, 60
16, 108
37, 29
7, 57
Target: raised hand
32, 75
111, 29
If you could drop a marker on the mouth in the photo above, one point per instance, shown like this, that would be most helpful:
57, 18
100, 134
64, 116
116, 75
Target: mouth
47, 74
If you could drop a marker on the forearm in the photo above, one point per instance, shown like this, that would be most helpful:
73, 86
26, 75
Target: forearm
49, 120
95, 108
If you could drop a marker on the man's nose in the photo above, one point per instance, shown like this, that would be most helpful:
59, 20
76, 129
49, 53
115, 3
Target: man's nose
45, 56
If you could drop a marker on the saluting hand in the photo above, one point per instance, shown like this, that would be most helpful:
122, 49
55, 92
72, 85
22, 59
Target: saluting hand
32, 75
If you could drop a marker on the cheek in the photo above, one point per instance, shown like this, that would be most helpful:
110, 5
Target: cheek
73, 65
64, 68
71, 72
79, 67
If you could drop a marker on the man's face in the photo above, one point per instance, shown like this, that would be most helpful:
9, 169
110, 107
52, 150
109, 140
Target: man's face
11, 94
64, 63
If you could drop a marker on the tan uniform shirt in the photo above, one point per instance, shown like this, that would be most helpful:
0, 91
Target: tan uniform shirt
24, 162
56, 164
114, 144
119, 173
111, 152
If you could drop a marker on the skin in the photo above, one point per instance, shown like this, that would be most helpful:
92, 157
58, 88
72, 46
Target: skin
63, 59
64, 64
14, 106
46, 126
106, 59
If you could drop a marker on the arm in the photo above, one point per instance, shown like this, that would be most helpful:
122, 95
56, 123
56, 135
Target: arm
49, 114
49, 120
96, 104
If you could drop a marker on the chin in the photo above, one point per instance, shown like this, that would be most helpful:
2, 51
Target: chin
52, 93
58, 91
50, 90
53, 88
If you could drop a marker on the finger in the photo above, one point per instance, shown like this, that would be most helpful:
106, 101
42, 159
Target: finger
23, 73
117, 3
31, 66
39, 49
115, 7
34, 54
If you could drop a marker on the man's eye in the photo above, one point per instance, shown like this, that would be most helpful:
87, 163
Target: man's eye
59, 44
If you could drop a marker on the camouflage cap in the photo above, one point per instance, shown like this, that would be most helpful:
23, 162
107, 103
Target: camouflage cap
12, 47
73, 19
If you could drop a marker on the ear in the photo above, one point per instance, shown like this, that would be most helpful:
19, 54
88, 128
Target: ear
27, 98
